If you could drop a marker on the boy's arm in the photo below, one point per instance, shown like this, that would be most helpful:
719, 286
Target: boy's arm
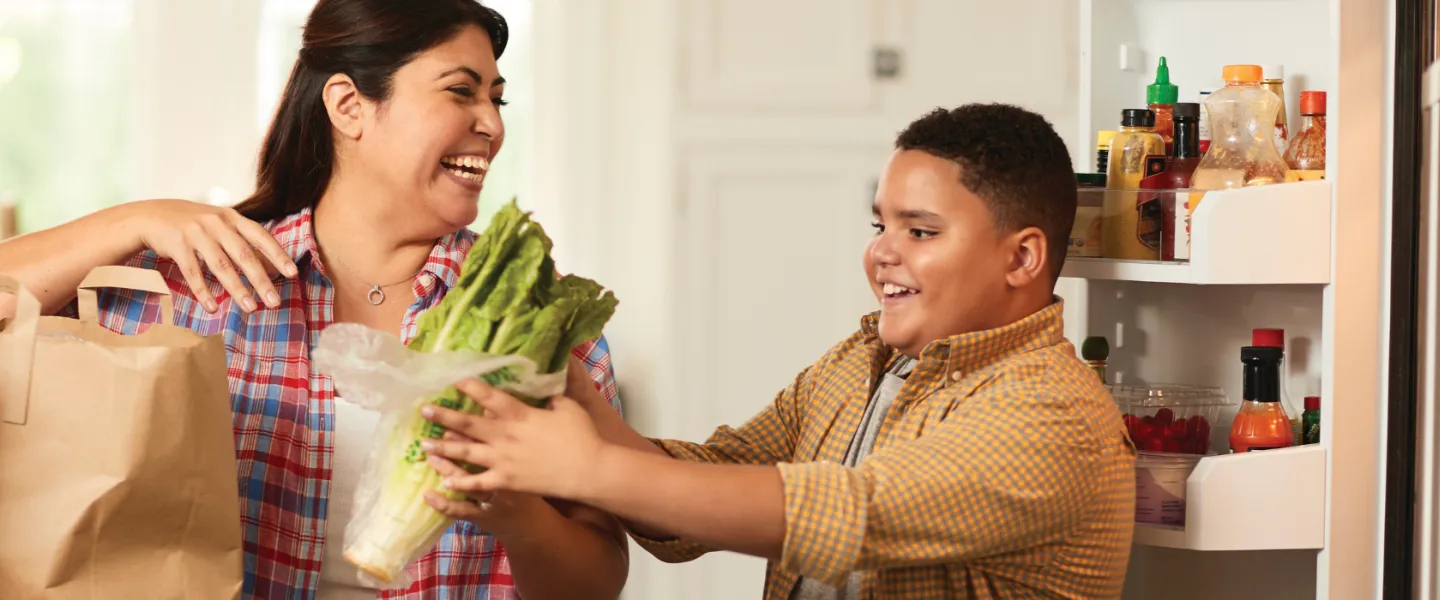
767, 438
1020, 470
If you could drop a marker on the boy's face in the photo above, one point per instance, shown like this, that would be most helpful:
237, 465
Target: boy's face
936, 264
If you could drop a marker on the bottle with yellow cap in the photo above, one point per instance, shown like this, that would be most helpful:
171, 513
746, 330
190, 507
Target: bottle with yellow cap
1102, 150
1242, 149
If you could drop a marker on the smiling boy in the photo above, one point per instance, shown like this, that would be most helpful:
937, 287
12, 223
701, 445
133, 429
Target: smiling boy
954, 447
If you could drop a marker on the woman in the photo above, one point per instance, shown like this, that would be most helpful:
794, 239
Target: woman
368, 177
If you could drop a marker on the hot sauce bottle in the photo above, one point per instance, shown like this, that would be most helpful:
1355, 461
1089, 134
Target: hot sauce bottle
1261, 423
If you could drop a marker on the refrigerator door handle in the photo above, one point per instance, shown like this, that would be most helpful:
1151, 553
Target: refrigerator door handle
1427, 347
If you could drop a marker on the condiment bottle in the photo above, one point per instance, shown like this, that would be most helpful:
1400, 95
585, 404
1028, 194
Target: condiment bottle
1102, 150
1135, 151
1204, 122
1165, 215
1310, 421
1275, 82
1095, 350
1306, 154
1242, 146
1261, 423
1160, 97
1275, 338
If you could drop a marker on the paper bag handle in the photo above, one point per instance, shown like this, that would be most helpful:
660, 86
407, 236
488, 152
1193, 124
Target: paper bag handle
126, 278
17, 352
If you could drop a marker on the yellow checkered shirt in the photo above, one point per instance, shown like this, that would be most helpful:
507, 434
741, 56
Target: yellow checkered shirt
1002, 471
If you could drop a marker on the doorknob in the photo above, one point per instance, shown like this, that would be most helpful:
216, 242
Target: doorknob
887, 62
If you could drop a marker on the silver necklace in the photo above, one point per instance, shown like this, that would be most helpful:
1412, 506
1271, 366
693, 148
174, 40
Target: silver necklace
376, 295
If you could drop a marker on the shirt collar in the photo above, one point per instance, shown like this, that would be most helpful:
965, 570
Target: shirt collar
965, 353
296, 235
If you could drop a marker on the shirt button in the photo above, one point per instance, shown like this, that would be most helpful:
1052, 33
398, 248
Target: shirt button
427, 279
955, 376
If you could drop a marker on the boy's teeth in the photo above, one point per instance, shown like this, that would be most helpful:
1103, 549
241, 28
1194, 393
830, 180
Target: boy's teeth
891, 289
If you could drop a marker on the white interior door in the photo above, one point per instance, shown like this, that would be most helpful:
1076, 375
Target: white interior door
796, 55
771, 241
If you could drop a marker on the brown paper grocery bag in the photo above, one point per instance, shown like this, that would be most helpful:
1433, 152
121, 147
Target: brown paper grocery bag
117, 458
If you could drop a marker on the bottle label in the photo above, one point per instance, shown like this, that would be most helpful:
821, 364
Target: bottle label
1281, 138
1155, 163
1177, 245
1151, 220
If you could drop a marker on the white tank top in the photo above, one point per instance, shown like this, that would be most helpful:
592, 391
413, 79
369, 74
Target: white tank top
354, 433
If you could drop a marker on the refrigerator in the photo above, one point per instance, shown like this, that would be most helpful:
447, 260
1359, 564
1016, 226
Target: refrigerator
754, 117
1313, 258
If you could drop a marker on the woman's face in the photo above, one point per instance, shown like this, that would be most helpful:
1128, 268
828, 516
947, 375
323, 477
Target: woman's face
428, 147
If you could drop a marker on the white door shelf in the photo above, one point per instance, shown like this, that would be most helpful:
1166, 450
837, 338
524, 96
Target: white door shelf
1274, 234
1265, 500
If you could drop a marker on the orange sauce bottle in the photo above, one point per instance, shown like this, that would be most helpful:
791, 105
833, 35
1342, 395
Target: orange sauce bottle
1261, 423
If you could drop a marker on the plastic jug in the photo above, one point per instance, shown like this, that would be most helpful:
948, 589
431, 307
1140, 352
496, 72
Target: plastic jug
1242, 149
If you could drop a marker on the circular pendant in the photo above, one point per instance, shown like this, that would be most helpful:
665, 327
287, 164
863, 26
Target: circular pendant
376, 295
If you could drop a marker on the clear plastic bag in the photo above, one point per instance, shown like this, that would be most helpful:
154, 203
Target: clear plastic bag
392, 525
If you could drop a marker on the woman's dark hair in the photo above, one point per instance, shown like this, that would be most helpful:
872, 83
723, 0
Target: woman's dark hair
368, 40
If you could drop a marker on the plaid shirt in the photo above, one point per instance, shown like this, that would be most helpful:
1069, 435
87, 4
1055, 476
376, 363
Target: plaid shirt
1002, 471
284, 428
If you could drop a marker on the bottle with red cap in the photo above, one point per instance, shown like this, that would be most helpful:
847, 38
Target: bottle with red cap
1306, 154
1275, 338
1261, 422
1310, 421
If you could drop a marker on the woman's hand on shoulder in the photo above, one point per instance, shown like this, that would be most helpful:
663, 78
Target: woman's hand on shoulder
200, 237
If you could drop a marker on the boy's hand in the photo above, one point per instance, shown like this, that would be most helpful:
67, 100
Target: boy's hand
548, 452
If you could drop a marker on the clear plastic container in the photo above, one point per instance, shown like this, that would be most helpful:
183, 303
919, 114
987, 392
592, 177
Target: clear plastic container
1171, 418
1160, 480
1242, 150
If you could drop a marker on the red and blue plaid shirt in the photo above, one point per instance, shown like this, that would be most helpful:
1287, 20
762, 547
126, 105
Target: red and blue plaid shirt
284, 418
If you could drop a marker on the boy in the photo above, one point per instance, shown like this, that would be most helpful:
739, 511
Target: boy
954, 447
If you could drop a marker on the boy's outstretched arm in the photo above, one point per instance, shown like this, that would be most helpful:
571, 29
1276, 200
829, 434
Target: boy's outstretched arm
766, 439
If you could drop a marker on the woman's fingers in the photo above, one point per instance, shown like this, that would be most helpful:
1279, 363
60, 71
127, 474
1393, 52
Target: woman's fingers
189, 265
454, 509
219, 263
261, 240
244, 256
458, 479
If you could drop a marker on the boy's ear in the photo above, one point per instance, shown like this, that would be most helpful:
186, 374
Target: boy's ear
1028, 257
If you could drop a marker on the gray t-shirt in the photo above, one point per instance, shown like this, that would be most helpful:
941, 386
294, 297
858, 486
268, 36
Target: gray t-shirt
860, 445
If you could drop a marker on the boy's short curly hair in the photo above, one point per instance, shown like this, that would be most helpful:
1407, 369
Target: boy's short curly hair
1013, 160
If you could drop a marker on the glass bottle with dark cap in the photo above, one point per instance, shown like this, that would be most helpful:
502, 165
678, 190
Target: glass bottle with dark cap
1135, 151
1261, 423
1158, 209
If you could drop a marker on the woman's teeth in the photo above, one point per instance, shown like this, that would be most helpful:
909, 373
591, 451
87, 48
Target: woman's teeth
891, 289
468, 167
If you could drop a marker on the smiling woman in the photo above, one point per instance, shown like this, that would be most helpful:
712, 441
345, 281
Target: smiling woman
508, 174
368, 182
